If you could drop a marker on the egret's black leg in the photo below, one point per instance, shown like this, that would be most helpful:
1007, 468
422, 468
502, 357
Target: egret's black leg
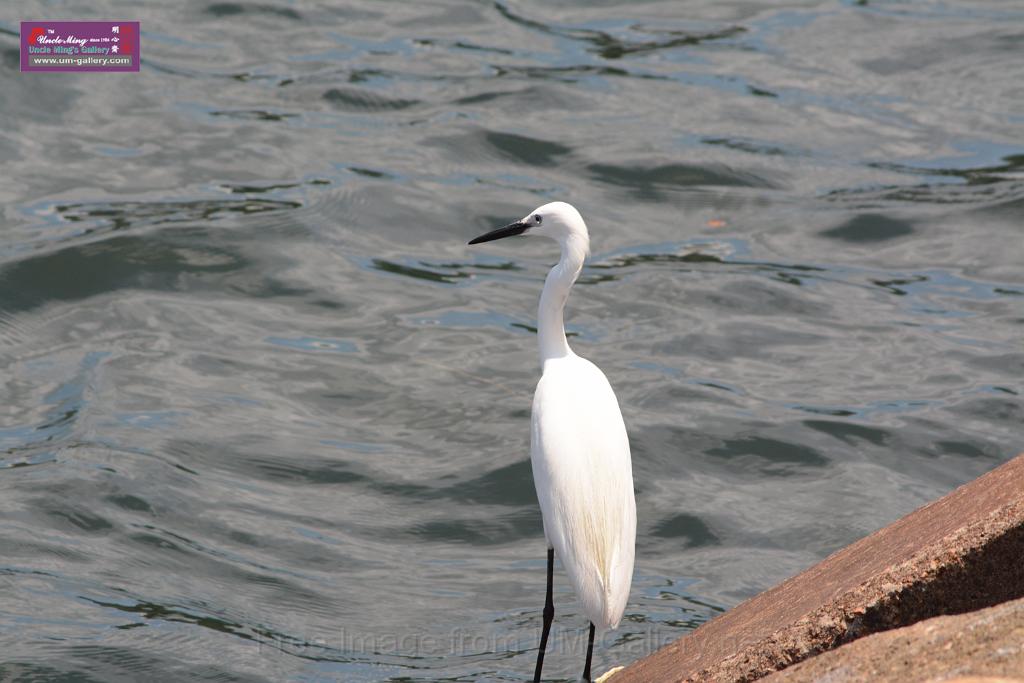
549, 615
590, 653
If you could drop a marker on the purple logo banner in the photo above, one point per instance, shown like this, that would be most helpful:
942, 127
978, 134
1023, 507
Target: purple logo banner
79, 46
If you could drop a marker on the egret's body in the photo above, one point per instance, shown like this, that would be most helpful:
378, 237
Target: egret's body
579, 448
581, 468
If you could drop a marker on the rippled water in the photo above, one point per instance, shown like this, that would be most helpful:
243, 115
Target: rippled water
265, 416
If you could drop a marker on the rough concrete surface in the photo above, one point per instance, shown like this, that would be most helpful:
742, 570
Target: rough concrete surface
988, 642
960, 553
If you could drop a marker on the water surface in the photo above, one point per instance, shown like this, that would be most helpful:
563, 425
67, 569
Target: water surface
264, 414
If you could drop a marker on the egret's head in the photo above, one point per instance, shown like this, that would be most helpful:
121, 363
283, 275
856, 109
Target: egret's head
557, 220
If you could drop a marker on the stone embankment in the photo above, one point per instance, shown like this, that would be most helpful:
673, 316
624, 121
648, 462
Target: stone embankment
874, 611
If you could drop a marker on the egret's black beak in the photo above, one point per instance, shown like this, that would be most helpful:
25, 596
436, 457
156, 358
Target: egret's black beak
517, 228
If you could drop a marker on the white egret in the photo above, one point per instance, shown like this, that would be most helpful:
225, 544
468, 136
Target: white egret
578, 446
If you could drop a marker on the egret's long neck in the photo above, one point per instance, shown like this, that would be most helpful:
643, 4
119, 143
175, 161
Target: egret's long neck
550, 328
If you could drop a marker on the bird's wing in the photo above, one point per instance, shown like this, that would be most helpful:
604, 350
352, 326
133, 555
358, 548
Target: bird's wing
584, 479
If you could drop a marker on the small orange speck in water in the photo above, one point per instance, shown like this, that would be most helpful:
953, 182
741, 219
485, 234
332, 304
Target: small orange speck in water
716, 223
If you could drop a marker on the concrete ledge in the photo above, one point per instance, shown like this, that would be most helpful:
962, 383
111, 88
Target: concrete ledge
989, 642
957, 554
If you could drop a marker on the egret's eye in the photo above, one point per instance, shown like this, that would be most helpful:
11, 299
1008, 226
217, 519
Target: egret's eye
536, 218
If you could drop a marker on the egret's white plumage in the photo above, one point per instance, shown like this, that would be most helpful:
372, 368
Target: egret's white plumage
579, 448
581, 468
